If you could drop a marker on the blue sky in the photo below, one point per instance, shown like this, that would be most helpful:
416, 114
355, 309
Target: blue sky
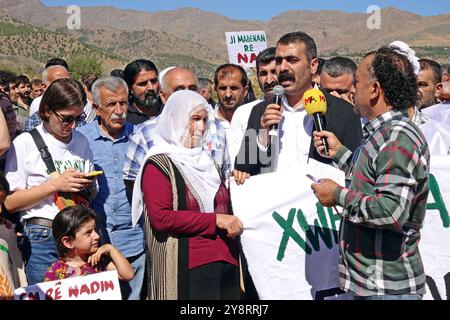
263, 9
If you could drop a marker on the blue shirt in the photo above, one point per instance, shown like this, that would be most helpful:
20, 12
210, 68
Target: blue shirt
111, 203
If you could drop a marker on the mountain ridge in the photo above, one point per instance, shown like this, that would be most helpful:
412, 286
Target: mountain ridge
199, 36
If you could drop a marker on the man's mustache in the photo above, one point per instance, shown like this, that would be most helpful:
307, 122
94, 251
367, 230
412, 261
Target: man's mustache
122, 116
286, 76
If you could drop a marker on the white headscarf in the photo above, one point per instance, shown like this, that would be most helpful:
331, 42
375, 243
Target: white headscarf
403, 49
195, 164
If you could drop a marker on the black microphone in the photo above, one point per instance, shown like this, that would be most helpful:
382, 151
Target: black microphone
278, 92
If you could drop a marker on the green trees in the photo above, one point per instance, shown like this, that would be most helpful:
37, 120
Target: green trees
82, 65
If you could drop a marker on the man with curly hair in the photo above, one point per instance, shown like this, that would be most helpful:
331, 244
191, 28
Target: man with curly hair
385, 201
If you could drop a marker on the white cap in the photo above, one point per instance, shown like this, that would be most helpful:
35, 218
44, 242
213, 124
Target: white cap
405, 50
163, 73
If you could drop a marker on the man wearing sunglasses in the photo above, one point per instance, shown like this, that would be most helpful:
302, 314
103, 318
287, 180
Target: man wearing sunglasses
338, 77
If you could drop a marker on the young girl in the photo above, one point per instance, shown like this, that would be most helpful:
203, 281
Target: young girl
77, 244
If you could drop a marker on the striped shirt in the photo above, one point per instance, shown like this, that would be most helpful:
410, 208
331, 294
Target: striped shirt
384, 207
142, 140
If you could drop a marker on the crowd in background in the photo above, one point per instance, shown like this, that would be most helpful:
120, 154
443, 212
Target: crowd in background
129, 171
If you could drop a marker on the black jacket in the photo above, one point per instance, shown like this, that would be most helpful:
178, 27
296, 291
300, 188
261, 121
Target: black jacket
339, 119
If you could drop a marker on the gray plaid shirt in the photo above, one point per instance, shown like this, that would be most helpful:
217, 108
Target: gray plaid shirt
384, 208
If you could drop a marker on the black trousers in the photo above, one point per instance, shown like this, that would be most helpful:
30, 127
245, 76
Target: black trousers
214, 281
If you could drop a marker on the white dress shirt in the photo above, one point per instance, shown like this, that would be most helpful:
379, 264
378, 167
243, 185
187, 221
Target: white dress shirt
238, 127
294, 136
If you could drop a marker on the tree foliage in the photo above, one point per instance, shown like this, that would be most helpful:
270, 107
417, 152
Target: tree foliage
83, 65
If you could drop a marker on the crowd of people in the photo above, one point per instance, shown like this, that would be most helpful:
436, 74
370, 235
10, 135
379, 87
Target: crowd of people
131, 171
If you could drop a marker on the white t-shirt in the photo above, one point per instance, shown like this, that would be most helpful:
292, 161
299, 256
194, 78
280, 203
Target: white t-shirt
26, 169
35, 106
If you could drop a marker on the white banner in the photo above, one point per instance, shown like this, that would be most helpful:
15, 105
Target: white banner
12, 270
435, 235
244, 47
290, 241
99, 286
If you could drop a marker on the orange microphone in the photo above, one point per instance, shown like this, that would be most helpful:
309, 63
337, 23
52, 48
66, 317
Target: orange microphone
316, 106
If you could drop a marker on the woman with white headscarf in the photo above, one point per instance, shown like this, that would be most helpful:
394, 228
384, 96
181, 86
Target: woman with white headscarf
191, 232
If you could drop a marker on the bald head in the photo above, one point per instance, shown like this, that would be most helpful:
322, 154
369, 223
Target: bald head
177, 79
54, 72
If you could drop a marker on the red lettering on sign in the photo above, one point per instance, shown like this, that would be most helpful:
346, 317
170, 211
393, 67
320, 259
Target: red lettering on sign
73, 291
242, 57
107, 285
95, 286
84, 289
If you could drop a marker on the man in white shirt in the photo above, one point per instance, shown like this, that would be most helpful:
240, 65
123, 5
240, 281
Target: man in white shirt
231, 85
296, 63
267, 79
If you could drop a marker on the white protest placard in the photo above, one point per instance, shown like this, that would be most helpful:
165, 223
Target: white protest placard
434, 245
12, 270
244, 47
290, 241
6, 277
98, 286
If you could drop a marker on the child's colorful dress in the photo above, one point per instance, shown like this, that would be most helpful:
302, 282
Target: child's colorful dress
61, 270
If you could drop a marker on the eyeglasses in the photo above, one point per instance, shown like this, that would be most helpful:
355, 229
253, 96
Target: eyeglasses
70, 119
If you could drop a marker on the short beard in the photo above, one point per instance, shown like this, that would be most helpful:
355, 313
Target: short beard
151, 101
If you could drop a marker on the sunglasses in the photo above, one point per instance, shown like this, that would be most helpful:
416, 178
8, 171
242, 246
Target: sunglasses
70, 119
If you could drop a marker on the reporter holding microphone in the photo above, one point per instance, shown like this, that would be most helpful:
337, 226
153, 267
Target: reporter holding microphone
385, 201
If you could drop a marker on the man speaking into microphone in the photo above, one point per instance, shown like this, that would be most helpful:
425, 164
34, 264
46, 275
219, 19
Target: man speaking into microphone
296, 63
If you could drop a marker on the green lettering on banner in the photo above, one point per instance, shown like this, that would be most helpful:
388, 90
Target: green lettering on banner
439, 203
333, 218
321, 230
3, 248
289, 232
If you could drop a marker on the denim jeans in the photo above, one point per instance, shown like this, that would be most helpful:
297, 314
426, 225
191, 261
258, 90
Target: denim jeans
131, 290
39, 252
393, 297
